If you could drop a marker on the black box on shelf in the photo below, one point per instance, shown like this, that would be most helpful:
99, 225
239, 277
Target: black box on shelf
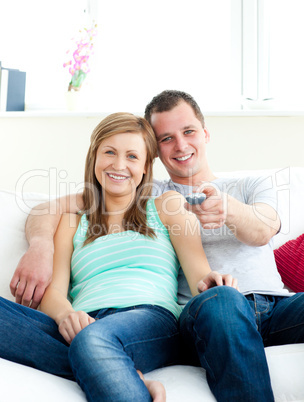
12, 89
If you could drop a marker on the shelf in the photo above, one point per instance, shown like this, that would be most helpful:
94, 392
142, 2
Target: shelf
232, 113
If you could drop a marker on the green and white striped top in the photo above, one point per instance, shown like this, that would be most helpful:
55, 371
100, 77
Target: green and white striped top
125, 269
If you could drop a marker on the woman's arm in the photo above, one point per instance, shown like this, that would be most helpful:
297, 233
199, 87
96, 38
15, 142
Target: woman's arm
184, 230
55, 302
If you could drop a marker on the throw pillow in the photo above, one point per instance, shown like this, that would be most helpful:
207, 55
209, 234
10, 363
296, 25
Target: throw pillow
290, 262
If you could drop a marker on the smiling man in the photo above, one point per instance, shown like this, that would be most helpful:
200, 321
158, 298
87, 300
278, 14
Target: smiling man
182, 141
223, 330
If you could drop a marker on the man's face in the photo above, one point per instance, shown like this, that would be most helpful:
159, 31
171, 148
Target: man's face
181, 142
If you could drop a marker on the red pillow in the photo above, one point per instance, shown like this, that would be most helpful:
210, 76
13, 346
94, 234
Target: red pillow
290, 262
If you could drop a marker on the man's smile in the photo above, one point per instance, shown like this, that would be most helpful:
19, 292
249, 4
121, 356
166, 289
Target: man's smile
184, 158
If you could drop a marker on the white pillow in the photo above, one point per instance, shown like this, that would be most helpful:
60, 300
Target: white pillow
13, 244
289, 183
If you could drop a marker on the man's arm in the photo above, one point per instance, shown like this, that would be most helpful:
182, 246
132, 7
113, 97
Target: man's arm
34, 271
252, 224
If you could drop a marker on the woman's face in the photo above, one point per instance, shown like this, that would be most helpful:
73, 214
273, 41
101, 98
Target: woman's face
120, 163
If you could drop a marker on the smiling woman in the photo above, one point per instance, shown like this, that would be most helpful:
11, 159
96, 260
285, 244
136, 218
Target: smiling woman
118, 261
110, 153
117, 165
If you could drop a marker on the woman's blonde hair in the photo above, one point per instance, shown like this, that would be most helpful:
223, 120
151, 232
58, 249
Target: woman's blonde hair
135, 216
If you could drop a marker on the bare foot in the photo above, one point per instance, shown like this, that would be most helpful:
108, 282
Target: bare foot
156, 388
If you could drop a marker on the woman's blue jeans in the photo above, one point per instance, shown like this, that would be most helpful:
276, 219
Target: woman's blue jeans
225, 332
103, 357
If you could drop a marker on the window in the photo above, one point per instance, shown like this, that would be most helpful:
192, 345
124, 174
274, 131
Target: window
220, 51
35, 36
272, 56
286, 55
148, 46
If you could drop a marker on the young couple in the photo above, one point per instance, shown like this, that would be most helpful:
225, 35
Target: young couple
224, 328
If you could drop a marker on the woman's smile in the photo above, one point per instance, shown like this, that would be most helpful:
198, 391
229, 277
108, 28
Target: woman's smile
116, 177
120, 163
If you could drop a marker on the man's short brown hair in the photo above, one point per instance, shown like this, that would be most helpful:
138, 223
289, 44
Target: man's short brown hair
167, 100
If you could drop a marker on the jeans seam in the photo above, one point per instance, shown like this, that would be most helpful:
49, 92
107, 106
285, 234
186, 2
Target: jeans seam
286, 329
193, 319
259, 314
150, 340
208, 367
199, 307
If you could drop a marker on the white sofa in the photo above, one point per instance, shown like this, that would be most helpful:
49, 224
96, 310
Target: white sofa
183, 383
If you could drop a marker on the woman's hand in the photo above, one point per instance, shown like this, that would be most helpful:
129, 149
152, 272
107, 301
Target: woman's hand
216, 279
73, 323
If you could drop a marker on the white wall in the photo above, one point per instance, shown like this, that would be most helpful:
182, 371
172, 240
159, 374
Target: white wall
47, 154
255, 142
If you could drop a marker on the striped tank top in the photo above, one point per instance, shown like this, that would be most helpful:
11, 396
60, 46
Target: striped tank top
124, 269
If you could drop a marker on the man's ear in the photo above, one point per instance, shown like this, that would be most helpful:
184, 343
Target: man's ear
207, 135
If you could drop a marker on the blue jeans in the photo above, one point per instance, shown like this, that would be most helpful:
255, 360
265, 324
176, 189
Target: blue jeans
225, 332
103, 357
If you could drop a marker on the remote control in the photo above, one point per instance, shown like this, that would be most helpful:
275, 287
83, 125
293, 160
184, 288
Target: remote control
195, 198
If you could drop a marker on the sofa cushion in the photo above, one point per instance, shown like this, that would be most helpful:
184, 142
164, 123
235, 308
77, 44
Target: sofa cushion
286, 367
182, 383
22, 383
290, 262
14, 211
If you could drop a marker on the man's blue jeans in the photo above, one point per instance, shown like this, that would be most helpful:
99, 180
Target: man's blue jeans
103, 357
226, 333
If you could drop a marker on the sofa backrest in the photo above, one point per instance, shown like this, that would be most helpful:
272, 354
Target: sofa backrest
289, 184
13, 244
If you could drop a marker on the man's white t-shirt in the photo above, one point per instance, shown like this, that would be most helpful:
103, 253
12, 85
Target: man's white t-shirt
254, 267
